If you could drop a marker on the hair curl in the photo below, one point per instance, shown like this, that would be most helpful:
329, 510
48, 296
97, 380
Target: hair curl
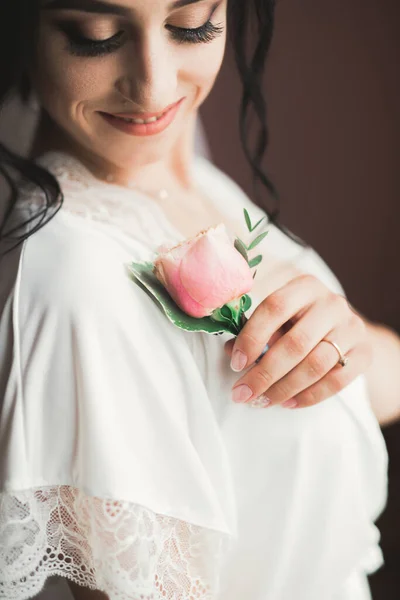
250, 30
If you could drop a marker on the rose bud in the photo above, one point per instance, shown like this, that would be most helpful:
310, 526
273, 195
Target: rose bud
204, 273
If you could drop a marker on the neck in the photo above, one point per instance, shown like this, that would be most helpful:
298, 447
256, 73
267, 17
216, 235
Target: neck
172, 172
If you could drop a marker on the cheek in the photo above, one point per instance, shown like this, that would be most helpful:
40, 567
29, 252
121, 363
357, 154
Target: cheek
64, 82
202, 66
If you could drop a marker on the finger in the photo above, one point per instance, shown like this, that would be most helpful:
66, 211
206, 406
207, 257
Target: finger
292, 348
271, 314
318, 362
337, 379
228, 347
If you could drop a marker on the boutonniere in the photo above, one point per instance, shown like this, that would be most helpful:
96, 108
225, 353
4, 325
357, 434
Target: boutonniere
202, 284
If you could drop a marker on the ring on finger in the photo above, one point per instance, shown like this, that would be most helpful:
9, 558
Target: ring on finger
343, 360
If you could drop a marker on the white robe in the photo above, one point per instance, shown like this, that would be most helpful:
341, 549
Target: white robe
124, 463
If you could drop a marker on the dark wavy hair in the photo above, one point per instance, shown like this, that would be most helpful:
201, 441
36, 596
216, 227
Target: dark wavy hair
250, 30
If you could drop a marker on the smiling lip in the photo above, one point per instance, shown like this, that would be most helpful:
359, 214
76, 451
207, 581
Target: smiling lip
145, 116
143, 129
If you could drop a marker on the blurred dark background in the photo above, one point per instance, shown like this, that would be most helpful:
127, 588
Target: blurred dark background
333, 94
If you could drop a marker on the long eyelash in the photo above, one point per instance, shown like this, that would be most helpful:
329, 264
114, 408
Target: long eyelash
206, 33
82, 46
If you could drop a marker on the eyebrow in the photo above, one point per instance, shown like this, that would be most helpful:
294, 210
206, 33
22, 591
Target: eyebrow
100, 7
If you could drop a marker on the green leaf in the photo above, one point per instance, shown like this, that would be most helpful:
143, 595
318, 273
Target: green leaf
247, 218
257, 224
256, 261
246, 303
240, 247
225, 311
258, 239
234, 307
142, 274
220, 316
224, 314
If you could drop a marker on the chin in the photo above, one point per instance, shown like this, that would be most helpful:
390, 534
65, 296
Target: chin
140, 154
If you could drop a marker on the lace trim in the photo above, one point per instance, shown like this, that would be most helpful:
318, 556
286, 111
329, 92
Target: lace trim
130, 211
122, 549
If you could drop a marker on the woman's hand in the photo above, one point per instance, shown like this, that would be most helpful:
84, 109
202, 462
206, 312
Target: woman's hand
300, 369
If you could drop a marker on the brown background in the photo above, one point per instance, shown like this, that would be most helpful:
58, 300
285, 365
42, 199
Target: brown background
333, 95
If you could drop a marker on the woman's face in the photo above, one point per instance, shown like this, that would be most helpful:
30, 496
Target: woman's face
127, 57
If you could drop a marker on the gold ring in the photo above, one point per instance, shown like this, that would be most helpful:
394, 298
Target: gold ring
343, 360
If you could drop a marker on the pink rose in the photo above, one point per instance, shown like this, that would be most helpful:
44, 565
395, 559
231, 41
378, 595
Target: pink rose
204, 273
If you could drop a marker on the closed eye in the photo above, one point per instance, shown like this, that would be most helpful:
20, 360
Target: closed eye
83, 46
206, 33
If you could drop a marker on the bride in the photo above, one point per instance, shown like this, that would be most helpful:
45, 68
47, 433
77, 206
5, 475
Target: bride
135, 461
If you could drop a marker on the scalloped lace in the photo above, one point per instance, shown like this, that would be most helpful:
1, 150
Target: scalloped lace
120, 548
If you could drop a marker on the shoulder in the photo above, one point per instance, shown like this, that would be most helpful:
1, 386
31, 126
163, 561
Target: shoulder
69, 268
76, 298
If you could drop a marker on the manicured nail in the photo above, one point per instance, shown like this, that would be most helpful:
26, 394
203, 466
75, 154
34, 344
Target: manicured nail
290, 404
261, 402
238, 361
242, 393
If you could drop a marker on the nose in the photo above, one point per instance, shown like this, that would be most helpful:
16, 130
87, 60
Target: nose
150, 77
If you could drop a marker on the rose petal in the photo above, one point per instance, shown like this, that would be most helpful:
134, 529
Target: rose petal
213, 272
167, 271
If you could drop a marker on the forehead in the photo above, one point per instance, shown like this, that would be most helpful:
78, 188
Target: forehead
118, 7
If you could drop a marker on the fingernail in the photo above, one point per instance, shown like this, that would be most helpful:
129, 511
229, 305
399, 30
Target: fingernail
238, 361
242, 393
261, 402
290, 404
